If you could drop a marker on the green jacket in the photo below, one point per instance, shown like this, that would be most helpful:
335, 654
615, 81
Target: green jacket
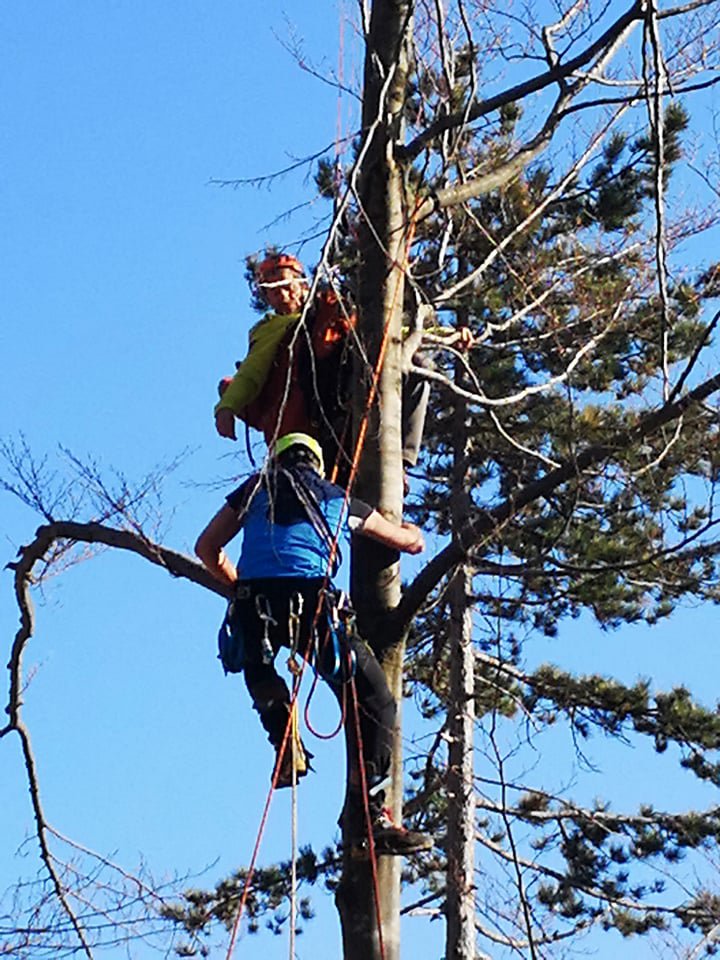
264, 339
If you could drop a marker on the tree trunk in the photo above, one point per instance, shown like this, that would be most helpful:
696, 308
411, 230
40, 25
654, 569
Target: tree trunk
375, 573
460, 897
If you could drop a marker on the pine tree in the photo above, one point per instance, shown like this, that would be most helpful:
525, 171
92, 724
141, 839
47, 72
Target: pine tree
616, 544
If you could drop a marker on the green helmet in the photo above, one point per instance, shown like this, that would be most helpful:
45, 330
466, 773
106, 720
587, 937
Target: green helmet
301, 440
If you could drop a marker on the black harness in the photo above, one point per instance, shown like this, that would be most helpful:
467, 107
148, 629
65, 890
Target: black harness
333, 659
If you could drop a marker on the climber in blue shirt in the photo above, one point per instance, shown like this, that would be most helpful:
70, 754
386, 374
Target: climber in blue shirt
292, 519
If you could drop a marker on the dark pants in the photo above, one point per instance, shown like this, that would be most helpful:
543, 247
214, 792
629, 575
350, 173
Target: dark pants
415, 396
332, 426
269, 692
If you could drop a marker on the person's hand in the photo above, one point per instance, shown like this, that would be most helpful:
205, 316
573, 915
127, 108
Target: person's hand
224, 384
466, 338
225, 423
416, 545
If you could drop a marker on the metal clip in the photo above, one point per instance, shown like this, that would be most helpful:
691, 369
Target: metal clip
262, 606
295, 612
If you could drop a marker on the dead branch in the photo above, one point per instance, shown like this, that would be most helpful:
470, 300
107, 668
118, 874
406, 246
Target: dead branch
46, 537
518, 92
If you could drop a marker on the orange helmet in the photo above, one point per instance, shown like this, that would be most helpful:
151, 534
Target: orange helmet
278, 261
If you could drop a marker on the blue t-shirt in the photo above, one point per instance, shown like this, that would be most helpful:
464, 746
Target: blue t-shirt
279, 539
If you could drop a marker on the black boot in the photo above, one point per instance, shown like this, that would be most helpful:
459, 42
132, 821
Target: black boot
389, 838
394, 839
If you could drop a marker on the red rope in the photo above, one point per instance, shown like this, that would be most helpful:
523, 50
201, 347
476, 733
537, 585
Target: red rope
368, 818
306, 714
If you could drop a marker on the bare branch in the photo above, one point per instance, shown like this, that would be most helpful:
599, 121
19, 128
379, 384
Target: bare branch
521, 90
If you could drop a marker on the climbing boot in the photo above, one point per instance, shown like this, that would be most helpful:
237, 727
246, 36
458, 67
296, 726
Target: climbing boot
284, 764
390, 839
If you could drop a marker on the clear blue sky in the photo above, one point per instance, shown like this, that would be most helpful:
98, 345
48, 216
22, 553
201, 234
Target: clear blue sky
123, 301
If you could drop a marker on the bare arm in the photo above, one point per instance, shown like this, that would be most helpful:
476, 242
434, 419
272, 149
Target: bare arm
405, 537
209, 546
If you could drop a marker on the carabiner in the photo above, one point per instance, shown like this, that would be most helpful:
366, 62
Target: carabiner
295, 612
264, 611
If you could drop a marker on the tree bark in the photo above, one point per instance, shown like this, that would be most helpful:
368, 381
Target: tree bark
460, 895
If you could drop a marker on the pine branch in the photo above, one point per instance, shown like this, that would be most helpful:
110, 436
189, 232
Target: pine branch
483, 526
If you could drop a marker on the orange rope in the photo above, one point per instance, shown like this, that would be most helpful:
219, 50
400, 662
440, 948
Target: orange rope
261, 831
